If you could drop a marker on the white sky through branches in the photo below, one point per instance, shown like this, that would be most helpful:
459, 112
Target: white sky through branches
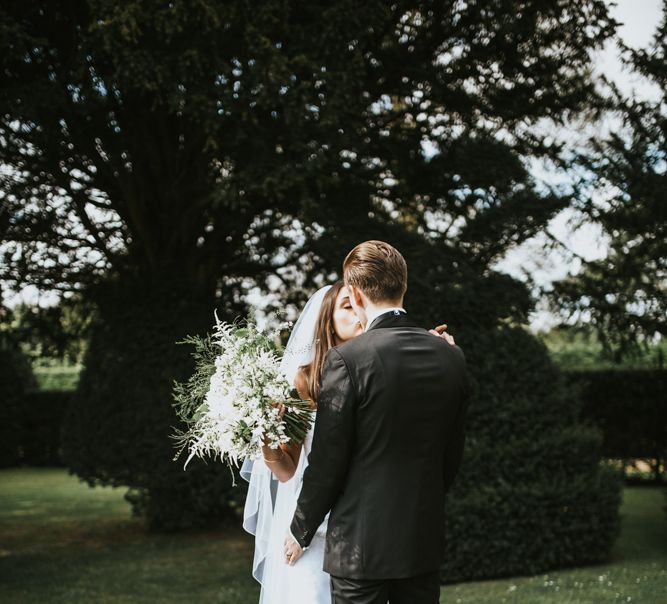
639, 20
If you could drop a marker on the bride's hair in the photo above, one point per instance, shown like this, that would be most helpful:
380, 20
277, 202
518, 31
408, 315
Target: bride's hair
325, 339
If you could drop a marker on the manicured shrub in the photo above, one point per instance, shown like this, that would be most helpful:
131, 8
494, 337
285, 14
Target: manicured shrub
16, 379
630, 408
533, 493
41, 420
117, 429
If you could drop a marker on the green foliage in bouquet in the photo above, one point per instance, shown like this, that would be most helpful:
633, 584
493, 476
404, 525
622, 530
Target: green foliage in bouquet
189, 395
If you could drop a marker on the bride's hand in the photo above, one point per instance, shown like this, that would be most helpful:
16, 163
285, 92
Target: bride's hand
293, 551
441, 332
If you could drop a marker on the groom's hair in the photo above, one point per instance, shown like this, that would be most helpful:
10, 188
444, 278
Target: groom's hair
378, 270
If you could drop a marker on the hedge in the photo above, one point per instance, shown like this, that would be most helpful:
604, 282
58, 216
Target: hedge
630, 407
16, 378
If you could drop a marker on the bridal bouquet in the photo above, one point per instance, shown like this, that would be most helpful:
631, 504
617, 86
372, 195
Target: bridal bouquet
229, 404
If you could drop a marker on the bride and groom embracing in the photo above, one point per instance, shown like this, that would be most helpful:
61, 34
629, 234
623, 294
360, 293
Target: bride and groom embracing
355, 514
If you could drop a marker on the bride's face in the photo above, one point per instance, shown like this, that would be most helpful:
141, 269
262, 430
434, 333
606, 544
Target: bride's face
345, 322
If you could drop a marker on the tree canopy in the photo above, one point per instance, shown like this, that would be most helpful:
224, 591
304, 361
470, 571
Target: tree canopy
212, 141
623, 184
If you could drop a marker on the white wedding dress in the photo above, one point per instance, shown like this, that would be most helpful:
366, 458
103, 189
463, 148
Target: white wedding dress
305, 582
270, 504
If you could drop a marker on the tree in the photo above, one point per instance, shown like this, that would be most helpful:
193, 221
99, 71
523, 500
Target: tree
578, 348
133, 147
155, 151
623, 183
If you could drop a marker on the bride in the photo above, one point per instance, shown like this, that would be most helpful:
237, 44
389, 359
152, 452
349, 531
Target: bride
326, 321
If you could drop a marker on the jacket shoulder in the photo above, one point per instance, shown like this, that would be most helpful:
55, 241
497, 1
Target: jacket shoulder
362, 342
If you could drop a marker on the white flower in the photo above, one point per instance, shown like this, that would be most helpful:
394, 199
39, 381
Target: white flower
239, 406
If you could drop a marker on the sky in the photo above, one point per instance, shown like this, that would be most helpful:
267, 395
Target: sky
639, 19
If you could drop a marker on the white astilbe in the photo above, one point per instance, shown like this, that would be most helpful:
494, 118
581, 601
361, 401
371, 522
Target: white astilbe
239, 407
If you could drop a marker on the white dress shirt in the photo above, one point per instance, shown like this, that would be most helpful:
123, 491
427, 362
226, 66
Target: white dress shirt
374, 314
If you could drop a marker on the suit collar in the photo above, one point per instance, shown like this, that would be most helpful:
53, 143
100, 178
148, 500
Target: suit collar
371, 315
391, 320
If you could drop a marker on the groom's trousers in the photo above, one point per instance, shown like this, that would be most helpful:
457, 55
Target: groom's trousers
423, 589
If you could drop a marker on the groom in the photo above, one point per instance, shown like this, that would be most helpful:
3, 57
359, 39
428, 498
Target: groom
387, 444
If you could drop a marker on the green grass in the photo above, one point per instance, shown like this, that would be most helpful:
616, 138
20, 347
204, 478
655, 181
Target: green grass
638, 572
62, 542
57, 377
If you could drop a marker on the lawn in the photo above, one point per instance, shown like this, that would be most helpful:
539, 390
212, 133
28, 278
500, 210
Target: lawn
57, 376
62, 542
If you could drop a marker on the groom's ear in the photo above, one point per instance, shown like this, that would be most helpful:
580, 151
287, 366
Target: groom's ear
356, 296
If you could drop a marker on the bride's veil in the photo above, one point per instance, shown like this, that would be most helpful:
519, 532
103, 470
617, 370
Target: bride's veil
260, 501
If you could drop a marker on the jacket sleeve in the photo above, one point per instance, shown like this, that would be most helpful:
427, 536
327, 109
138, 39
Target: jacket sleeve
329, 458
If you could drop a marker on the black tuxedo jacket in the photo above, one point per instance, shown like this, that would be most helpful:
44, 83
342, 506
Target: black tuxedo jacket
387, 444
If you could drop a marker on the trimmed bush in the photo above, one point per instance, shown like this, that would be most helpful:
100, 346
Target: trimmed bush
41, 420
16, 378
630, 407
117, 429
533, 494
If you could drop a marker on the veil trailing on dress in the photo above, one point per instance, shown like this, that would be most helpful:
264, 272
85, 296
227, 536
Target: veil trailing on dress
262, 488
